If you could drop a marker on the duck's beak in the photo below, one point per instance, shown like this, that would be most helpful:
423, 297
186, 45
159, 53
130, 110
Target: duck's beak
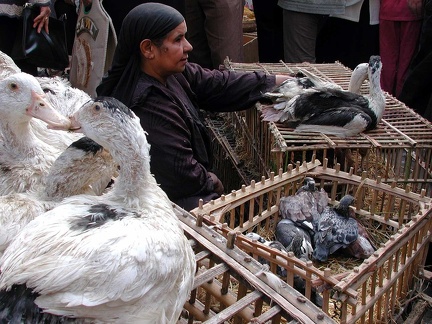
40, 108
74, 125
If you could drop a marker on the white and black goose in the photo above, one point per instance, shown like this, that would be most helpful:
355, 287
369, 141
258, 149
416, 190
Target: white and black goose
83, 163
117, 258
24, 158
333, 111
307, 82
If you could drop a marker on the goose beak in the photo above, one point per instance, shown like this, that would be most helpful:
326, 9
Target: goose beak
40, 108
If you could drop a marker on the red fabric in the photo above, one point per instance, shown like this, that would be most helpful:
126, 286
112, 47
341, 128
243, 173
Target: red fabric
397, 10
398, 43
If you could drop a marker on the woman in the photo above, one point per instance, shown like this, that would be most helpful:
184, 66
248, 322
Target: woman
10, 12
151, 74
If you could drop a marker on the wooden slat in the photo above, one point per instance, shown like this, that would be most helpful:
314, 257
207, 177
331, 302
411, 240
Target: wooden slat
210, 274
228, 312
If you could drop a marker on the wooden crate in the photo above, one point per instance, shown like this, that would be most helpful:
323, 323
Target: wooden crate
232, 287
373, 290
399, 149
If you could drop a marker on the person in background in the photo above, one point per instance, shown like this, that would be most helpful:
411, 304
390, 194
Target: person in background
10, 12
215, 30
151, 74
417, 90
302, 21
117, 10
399, 30
352, 37
70, 9
268, 18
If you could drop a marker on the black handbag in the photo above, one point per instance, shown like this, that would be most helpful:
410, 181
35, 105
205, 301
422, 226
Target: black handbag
41, 49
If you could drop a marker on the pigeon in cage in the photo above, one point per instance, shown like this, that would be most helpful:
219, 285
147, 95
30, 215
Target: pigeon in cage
363, 247
304, 208
273, 244
335, 229
294, 238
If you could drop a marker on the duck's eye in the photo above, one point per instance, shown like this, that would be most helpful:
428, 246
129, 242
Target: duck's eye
13, 86
97, 107
46, 90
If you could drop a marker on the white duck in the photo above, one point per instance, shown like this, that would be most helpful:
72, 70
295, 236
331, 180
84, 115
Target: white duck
81, 164
332, 111
66, 100
121, 257
24, 158
60, 94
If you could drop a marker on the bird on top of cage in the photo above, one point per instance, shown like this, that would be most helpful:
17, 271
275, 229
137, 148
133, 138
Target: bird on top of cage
330, 110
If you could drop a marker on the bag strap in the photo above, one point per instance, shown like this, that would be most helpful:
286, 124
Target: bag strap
29, 11
49, 40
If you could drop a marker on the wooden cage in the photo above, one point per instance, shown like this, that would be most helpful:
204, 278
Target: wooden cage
399, 149
232, 287
372, 290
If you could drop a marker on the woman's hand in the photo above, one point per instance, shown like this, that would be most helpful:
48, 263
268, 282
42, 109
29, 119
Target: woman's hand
217, 184
42, 20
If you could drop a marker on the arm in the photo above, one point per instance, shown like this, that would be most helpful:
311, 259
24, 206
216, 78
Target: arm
227, 90
42, 20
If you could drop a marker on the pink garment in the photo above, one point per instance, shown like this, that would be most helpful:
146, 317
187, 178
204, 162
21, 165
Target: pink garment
399, 31
396, 10
398, 43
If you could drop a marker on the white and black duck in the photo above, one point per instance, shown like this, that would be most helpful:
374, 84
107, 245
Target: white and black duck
117, 258
335, 229
83, 163
333, 111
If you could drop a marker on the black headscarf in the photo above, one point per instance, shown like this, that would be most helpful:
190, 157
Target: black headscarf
146, 21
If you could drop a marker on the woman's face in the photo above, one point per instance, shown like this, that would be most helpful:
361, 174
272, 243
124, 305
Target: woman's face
172, 55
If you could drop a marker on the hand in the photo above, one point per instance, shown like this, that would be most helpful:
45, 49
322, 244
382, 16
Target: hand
281, 78
217, 184
42, 20
416, 7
